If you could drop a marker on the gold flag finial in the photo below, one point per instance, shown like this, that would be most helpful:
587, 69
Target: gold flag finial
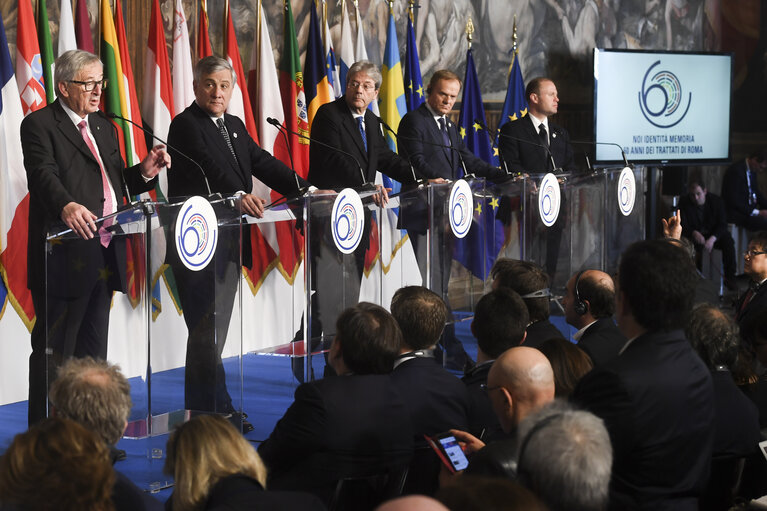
514, 36
411, 11
469, 31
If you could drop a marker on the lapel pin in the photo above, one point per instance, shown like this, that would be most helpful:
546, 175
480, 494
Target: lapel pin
234, 134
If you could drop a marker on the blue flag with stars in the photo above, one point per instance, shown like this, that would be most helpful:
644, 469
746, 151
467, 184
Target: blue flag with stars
481, 246
515, 104
414, 91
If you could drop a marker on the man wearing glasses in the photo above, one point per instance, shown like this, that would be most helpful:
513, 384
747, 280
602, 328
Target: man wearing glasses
75, 175
753, 304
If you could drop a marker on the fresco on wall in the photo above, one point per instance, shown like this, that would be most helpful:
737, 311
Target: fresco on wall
555, 37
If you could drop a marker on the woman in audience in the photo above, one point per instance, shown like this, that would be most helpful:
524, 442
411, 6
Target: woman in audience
569, 362
215, 468
56, 465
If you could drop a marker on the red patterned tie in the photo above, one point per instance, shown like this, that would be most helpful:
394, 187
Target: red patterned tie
109, 206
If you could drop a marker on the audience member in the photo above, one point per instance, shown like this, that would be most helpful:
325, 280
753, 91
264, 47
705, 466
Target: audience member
479, 493
532, 283
96, 395
499, 323
520, 382
672, 227
656, 397
589, 305
57, 465
704, 221
753, 304
745, 204
565, 458
569, 364
352, 424
214, 467
412, 503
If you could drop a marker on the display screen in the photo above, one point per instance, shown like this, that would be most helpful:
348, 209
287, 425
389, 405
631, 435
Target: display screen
662, 108
454, 452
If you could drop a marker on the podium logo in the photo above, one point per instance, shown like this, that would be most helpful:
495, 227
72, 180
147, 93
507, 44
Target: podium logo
196, 233
461, 208
661, 99
347, 220
549, 199
626, 191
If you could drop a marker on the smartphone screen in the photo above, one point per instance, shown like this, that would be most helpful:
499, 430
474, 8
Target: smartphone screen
454, 452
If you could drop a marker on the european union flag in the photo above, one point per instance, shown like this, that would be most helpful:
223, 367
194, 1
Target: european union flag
515, 104
479, 249
414, 91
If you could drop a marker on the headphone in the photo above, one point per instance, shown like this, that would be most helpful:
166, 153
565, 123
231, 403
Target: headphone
580, 306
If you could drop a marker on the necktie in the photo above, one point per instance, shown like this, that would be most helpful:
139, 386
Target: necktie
225, 134
543, 134
446, 141
361, 126
109, 206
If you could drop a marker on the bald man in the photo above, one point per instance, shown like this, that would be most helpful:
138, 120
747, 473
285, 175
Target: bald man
589, 306
520, 383
412, 503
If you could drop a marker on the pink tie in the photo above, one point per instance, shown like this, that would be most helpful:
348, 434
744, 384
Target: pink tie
109, 206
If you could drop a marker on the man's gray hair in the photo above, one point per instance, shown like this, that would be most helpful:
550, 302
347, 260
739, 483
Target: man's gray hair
565, 458
69, 63
93, 393
367, 67
212, 64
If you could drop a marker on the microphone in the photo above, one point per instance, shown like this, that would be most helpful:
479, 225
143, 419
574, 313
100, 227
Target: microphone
493, 143
365, 184
124, 184
204, 176
274, 122
545, 148
588, 142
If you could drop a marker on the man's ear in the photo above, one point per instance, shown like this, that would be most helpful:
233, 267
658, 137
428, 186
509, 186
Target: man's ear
507, 399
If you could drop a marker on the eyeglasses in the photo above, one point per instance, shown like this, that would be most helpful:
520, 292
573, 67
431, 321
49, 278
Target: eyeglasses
367, 87
89, 86
753, 253
485, 387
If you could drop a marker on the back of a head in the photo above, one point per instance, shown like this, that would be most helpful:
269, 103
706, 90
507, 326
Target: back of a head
658, 281
598, 289
57, 465
526, 278
500, 320
569, 363
203, 451
94, 393
370, 338
421, 315
565, 458
412, 503
713, 335
526, 373
478, 493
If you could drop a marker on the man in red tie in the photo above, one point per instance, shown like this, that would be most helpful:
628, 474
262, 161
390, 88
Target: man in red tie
753, 304
75, 175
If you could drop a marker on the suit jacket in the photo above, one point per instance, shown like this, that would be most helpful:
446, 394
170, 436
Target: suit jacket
338, 427
755, 309
714, 221
61, 169
735, 193
523, 156
335, 126
657, 402
241, 493
481, 414
602, 341
417, 129
540, 332
437, 400
736, 419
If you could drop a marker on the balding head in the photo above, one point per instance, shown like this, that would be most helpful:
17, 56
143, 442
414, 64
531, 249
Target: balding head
596, 292
412, 503
520, 382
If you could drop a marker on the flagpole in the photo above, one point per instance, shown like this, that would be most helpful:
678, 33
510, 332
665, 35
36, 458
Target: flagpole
258, 42
514, 49
227, 13
469, 30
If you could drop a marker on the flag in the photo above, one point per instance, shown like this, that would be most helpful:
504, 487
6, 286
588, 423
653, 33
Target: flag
392, 94
413, 82
361, 53
346, 48
183, 75
14, 199
29, 67
158, 110
83, 27
317, 87
46, 49
67, 39
515, 104
203, 40
239, 105
331, 68
479, 249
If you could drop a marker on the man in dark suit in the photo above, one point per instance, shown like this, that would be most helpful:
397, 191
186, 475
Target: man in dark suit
704, 221
746, 205
589, 305
230, 159
656, 398
753, 304
532, 284
353, 424
75, 174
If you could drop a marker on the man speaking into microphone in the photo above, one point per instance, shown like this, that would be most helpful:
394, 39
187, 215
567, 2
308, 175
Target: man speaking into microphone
75, 174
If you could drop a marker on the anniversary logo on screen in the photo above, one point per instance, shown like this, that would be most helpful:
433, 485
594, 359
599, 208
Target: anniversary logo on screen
196, 233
